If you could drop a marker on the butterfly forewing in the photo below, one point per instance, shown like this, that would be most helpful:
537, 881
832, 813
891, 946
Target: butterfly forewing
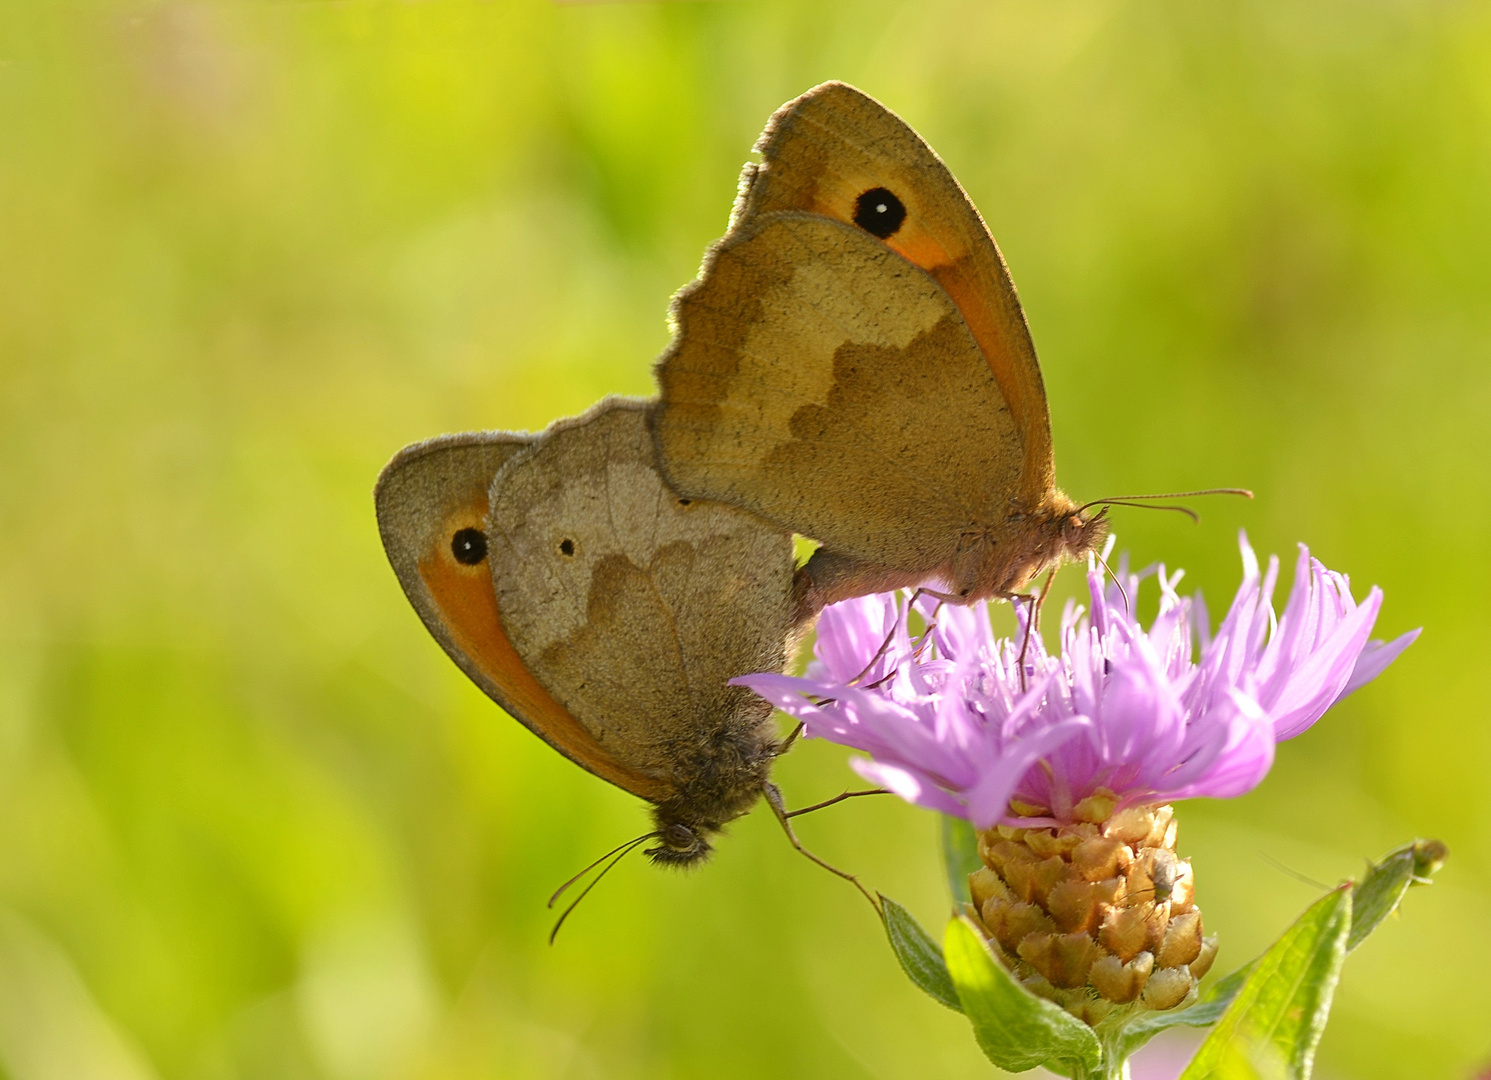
822, 381
836, 151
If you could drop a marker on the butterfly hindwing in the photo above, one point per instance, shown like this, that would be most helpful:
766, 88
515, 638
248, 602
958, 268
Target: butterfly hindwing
432, 510
637, 606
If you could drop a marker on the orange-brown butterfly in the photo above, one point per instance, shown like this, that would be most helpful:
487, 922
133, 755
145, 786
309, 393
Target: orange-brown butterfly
852, 365
602, 610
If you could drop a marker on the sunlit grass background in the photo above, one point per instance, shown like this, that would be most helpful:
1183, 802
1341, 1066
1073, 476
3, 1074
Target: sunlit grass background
253, 824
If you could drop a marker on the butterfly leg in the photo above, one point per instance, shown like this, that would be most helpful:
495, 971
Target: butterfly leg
779, 808
1033, 605
929, 619
885, 643
836, 800
1040, 602
890, 636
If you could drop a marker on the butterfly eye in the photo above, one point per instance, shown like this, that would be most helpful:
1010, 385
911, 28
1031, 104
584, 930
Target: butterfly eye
566, 546
468, 546
879, 212
678, 836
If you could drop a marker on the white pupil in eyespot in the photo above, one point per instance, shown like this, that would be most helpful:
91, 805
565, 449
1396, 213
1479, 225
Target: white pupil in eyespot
881, 208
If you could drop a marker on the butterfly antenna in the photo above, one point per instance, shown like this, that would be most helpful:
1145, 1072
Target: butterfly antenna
1145, 502
619, 854
592, 865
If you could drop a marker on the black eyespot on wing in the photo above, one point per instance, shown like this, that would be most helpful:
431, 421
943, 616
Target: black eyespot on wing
567, 546
684, 502
469, 546
879, 212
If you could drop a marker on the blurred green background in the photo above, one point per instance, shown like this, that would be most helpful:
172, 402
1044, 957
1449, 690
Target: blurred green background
254, 824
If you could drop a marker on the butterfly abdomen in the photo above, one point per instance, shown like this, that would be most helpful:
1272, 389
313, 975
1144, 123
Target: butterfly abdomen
718, 777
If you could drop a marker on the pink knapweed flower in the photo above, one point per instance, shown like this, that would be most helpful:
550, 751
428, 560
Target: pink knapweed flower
1146, 715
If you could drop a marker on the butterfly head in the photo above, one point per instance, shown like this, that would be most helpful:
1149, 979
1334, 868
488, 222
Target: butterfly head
678, 843
1083, 531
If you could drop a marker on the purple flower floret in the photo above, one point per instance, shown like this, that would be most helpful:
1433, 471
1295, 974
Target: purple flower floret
1171, 712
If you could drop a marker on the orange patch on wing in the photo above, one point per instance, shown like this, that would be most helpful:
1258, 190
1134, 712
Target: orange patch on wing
986, 325
468, 602
921, 248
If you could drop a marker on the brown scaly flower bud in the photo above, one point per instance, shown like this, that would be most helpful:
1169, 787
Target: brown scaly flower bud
1095, 915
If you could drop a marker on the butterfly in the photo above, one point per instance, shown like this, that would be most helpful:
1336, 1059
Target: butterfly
852, 364
601, 609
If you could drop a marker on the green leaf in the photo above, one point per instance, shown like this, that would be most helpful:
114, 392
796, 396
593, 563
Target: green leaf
1386, 882
1258, 1062
959, 856
1014, 1028
919, 953
1379, 893
1281, 1008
